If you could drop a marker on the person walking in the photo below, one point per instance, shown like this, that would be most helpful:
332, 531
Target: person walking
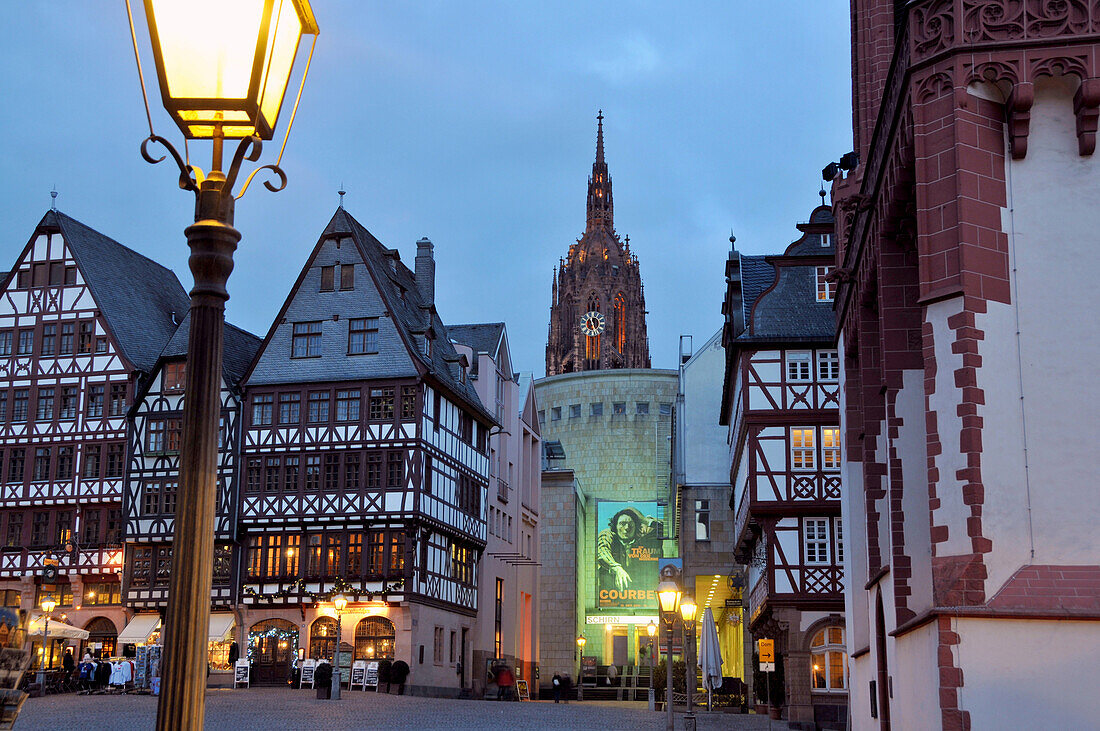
557, 687
566, 687
505, 681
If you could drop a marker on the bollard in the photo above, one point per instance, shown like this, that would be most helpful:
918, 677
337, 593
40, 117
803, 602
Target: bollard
689, 722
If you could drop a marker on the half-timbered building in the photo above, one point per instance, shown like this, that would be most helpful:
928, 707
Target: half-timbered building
82, 320
781, 404
152, 482
508, 613
365, 465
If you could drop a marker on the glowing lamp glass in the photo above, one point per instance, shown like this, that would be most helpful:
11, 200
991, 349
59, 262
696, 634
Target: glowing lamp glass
48, 604
340, 602
669, 595
581, 641
688, 609
651, 628
226, 63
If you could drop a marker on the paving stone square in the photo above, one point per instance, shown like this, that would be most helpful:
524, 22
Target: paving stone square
276, 708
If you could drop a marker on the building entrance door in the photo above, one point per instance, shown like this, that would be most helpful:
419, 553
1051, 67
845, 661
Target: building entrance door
273, 644
618, 647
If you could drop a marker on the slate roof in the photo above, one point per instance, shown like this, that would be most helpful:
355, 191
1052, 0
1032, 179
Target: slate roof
138, 297
239, 347
757, 274
397, 286
481, 337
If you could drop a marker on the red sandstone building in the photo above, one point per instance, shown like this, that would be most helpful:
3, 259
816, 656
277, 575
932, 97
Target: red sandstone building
966, 305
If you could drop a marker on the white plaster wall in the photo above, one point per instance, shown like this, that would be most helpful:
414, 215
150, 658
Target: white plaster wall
944, 402
705, 454
1029, 674
860, 672
915, 704
1052, 221
912, 447
853, 511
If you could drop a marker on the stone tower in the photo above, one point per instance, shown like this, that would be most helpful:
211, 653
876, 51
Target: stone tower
597, 310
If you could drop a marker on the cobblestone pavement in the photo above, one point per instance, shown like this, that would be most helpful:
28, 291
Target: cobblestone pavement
268, 708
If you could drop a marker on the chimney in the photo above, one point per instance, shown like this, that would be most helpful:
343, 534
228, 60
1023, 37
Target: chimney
425, 271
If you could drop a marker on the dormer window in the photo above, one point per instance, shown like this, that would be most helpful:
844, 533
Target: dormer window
825, 288
175, 376
826, 240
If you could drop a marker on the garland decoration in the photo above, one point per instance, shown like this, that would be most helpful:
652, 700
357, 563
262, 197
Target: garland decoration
339, 586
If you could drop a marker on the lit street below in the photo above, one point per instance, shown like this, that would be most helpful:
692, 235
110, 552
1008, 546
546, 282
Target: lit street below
275, 708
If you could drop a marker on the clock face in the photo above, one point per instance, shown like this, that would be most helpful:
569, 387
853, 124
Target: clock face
592, 323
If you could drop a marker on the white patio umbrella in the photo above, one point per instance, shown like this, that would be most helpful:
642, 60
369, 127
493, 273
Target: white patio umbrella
710, 655
58, 629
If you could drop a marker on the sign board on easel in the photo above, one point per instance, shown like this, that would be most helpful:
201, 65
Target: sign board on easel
372, 674
306, 676
240, 674
358, 674
523, 690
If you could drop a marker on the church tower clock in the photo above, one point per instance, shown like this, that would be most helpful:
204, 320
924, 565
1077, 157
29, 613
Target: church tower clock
597, 309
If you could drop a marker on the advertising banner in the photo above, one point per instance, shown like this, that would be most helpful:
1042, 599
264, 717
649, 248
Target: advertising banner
628, 546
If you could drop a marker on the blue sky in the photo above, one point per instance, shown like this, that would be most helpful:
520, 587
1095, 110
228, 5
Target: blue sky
472, 123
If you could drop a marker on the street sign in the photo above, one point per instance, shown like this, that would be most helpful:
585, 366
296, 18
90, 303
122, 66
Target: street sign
766, 649
767, 667
733, 603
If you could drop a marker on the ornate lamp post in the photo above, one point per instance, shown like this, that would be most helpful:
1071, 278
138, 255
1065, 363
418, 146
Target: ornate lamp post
48, 605
580, 666
340, 602
651, 628
668, 594
223, 71
687, 614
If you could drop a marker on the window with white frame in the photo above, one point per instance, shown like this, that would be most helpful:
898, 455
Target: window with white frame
825, 288
828, 660
828, 365
838, 536
815, 537
830, 447
803, 454
798, 365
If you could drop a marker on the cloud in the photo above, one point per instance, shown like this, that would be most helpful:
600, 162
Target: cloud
631, 57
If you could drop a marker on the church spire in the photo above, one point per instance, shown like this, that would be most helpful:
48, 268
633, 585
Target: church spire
600, 208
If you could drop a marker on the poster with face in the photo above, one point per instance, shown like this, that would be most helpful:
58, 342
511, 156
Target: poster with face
628, 545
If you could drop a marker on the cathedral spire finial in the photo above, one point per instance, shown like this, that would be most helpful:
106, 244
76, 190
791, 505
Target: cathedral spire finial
599, 137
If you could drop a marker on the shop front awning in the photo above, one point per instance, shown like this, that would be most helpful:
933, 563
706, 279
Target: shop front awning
221, 626
57, 630
140, 628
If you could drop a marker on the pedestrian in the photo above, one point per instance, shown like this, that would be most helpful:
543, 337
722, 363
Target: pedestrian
505, 681
566, 687
68, 663
612, 675
557, 687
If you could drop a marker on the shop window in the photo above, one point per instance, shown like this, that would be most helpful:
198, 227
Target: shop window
828, 660
374, 639
322, 638
102, 637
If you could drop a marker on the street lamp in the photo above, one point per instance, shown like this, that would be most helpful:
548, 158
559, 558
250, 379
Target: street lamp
223, 71
668, 594
340, 602
651, 628
48, 605
687, 614
580, 667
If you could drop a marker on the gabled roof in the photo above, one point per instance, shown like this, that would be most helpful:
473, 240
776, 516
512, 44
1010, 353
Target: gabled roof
239, 347
412, 318
140, 299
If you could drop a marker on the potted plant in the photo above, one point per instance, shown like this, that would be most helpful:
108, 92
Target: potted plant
660, 680
384, 668
322, 680
398, 673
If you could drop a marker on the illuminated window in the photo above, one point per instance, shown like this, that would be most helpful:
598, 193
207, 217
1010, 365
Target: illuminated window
175, 376
802, 448
825, 288
830, 448
828, 660
620, 322
798, 365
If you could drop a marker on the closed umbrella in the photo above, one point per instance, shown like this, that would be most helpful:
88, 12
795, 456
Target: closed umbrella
710, 655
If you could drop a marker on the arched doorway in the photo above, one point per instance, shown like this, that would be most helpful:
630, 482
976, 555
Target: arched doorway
272, 647
374, 639
102, 637
322, 638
